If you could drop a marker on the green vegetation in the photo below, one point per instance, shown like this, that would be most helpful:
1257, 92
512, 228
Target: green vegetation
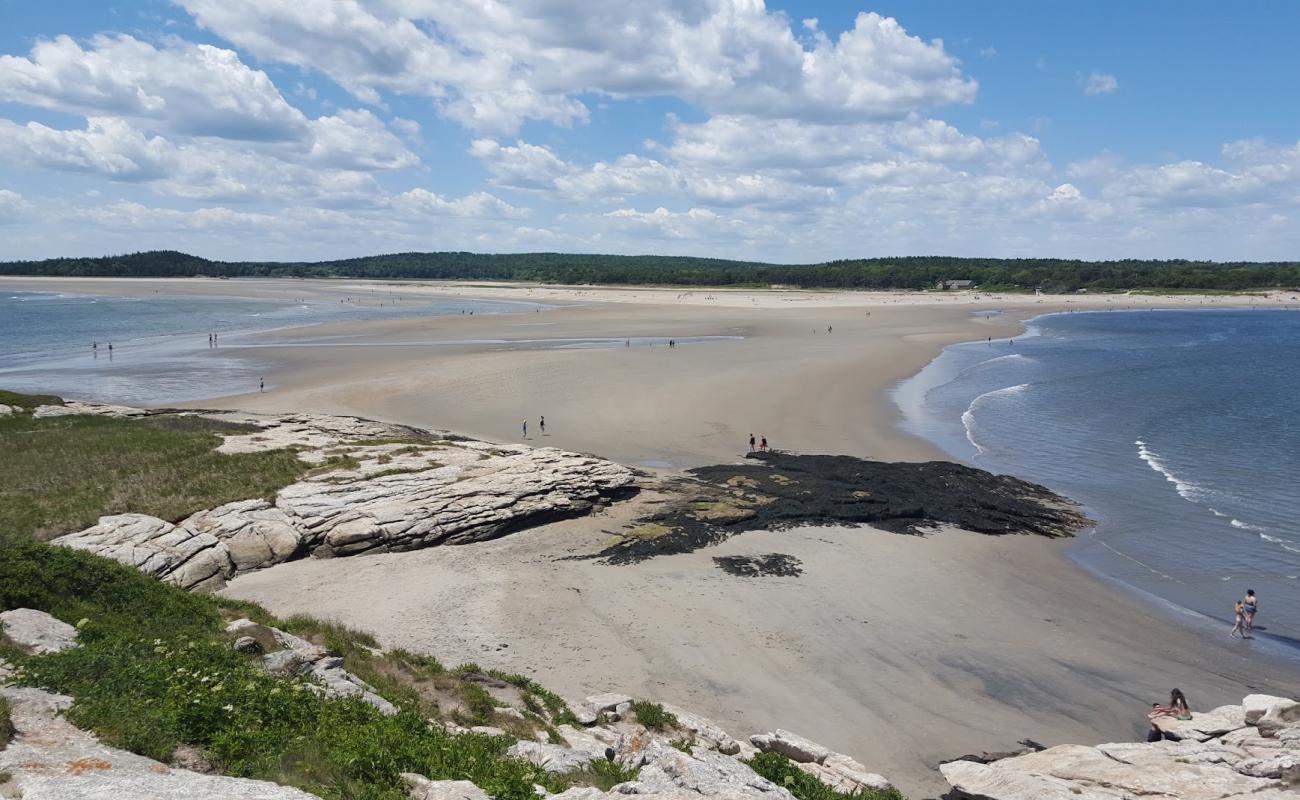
28, 402
155, 670
915, 272
782, 771
60, 474
653, 715
6, 724
605, 775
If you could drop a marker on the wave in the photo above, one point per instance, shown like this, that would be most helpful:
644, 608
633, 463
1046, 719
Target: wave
1187, 490
1285, 544
968, 416
1246, 526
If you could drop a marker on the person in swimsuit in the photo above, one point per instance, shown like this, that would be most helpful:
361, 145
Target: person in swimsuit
525, 429
1177, 707
541, 425
1250, 605
751, 443
1239, 620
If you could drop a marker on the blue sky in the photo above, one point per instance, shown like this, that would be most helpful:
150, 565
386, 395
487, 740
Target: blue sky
296, 129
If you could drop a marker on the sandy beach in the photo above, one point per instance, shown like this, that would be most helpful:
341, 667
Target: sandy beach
897, 650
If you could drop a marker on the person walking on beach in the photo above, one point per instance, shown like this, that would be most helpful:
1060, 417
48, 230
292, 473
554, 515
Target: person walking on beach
541, 424
1250, 605
1239, 620
525, 429
261, 384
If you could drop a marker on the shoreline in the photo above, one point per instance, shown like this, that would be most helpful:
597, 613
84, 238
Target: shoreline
1002, 637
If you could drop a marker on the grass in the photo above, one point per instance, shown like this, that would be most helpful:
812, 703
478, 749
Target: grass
60, 474
782, 771
604, 775
27, 402
156, 670
653, 715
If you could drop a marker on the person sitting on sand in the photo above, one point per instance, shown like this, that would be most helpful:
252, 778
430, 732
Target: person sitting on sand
1238, 621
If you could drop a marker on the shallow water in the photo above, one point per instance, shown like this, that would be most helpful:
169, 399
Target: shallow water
160, 352
1176, 429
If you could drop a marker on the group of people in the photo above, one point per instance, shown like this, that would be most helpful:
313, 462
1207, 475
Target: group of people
541, 426
760, 445
1243, 624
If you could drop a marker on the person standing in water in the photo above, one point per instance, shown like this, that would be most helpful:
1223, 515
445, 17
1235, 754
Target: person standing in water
261, 384
1249, 606
541, 425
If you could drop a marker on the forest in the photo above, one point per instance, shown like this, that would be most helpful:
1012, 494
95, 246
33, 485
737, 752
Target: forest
913, 272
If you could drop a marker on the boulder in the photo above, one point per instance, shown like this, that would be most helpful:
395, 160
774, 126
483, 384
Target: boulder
551, 757
792, 746
704, 772
705, 732
1278, 717
36, 632
1204, 726
247, 644
6, 410
1256, 705
855, 774
419, 787
986, 782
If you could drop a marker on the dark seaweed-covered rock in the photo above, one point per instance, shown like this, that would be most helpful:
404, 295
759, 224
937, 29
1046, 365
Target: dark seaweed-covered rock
776, 565
775, 491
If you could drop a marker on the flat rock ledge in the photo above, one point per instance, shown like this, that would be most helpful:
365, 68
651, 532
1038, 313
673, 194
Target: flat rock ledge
35, 632
51, 759
409, 489
1239, 752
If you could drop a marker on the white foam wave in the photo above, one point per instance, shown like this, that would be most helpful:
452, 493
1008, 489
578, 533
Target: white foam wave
1186, 489
1246, 526
1285, 544
968, 416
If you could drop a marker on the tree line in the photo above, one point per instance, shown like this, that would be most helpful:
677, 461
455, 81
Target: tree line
913, 272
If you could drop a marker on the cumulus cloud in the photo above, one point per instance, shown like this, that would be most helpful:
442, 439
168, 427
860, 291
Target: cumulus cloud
193, 89
12, 206
1100, 83
491, 64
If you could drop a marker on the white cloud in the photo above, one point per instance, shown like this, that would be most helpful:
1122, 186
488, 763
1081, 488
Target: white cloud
491, 65
1100, 83
113, 149
184, 88
12, 206
480, 205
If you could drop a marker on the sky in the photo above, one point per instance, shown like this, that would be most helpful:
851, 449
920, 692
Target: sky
783, 131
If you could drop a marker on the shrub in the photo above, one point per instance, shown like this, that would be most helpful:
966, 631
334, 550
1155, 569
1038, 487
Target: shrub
783, 772
653, 715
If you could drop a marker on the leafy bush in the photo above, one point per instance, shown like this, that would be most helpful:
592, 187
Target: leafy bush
653, 715
783, 772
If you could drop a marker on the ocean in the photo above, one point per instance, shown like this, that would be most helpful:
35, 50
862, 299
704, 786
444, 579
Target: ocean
1176, 430
160, 348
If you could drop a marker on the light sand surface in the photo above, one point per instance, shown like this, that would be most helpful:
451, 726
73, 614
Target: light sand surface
898, 650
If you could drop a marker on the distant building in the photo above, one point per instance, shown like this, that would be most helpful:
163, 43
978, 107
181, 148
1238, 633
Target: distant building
956, 284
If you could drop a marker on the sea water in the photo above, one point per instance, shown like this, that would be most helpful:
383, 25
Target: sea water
1178, 431
160, 343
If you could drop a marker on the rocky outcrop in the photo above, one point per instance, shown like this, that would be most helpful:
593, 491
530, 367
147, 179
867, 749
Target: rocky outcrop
73, 407
35, 632
1231, 753
776, 491
833, 769
297, 656
380, 488
50, 759
419, 787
